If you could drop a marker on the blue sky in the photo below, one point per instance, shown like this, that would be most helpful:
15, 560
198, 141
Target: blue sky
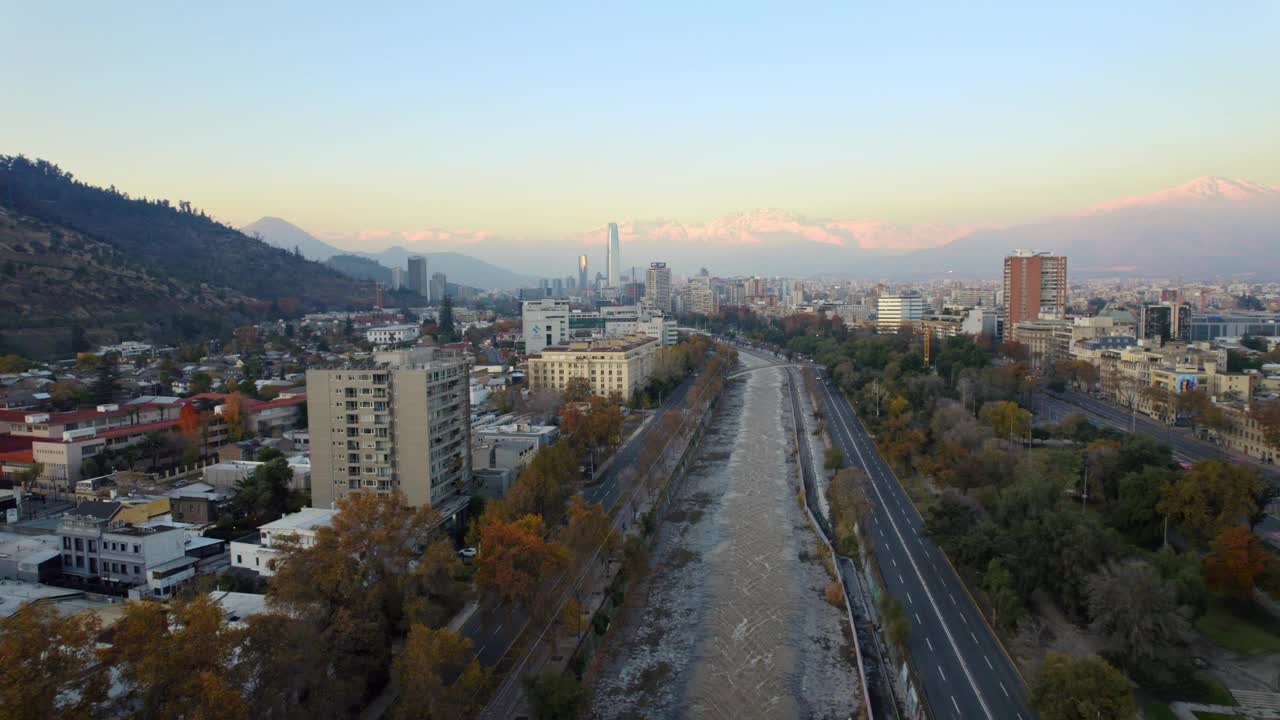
540, 120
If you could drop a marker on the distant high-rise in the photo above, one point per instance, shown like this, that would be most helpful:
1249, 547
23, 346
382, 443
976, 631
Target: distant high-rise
439, 286
613, 256
582, 272
1165, 322
419, 281
893, 312
657, 287
397, 278
1035, 287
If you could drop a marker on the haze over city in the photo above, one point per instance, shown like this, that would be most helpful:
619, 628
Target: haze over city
836, 361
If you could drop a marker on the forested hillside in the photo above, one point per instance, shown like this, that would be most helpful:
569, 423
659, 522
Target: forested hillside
75, 255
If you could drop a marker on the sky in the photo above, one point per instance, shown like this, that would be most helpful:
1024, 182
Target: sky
543, 120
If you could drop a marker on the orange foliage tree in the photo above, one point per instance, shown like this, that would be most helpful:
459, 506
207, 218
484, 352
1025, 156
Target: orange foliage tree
1235, 561
47, 665
516, 558
233, 414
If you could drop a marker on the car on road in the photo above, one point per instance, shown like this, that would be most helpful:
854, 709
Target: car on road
467, 553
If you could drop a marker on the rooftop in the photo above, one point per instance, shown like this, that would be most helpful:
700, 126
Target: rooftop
305, 519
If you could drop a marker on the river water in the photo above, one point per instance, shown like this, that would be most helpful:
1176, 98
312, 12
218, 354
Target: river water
732, 622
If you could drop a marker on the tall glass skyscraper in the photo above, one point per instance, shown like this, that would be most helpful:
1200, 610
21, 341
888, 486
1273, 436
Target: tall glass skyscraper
582, 272
614, 256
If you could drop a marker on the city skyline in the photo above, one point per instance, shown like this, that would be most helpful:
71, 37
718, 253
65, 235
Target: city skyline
938, 117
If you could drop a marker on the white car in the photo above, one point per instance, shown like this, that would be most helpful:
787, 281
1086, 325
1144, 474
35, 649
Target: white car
467, 553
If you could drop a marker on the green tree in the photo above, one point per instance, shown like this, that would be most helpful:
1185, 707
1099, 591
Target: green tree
445, 319
264, 493
1081, 688
106, 381
896, 622
1137, 610
556, 696
833, 458
1007, 607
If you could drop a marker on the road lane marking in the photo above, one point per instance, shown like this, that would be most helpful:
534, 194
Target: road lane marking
1006, 692
909, 599
944, 677
918, 620
953, 702
984, 657
926, 642
975, 637
929, 594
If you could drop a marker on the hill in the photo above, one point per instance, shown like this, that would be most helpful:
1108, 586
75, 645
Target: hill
286, 235
115, 266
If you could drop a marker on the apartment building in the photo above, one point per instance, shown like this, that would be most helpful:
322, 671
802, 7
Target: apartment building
657, 287
1035, 287
400, 422
702, 299
619, 365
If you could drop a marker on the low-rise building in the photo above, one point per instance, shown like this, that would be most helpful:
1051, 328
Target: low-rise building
255, 552
389, 334
612, 366
149, 559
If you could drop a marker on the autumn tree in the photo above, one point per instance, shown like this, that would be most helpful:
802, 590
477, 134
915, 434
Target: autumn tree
233, 415
1235, 561
897, 623
47, 665
177, 659
545, 484
434, 590
587, 531
593, 425
1212, 497
556, 696
1007, 419
576, 390
1081, 688
350, 589
847, 498
516, 558
437, 675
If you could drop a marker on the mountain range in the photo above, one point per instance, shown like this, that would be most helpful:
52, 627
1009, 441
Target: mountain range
459, 268
1205, 227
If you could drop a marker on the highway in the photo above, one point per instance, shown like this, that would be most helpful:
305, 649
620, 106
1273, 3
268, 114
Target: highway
1185, 446
965, 673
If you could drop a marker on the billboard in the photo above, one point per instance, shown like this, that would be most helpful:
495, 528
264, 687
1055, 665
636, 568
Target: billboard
1184, 383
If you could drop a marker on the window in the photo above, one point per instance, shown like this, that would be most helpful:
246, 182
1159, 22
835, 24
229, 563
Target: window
79, 544
79, 561
239, 560
137, 549
66, 543
137, 570
93, 546
66, 560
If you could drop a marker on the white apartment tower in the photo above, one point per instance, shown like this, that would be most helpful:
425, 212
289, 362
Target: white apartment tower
401, 421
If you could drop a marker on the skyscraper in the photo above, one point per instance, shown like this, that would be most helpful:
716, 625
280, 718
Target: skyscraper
439, 286
893, 312
613, 256
582, 272
398, 422
657, 287
1035, 287
419, 281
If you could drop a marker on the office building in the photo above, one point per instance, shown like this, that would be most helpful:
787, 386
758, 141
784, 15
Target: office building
544, 322
620, 365
397, 278
1234, 324
388, 334
557, 288
1035, 287
895, 311
418, 280
439, 287
613, 258
399, 422
582, 273
657, 287
1165, 322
